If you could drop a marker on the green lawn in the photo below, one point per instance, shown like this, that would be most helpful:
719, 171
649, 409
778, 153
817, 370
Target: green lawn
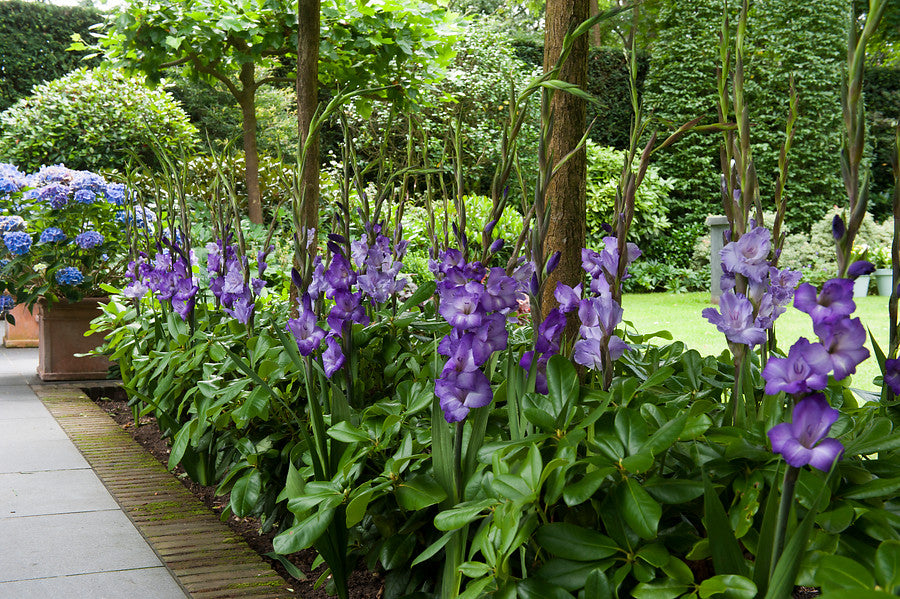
680, 315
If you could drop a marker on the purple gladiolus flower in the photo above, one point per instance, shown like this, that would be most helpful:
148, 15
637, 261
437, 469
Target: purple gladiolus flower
500, 291
833, 303
843, 339
339, 276
460, 306
804, 369
569, 298
859, 268
304, 328
462, 386
135, 290
241, 310
332, 357
748, 255
892, 374
736, 320
802, 441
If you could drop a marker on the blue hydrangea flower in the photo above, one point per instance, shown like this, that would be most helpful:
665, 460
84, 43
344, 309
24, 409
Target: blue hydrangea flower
69, 275
57, 173
88, 181
115, 194
52, 235
17, 242
54, 194
11, 223
7, 302
7, 185
88, 240
85, 196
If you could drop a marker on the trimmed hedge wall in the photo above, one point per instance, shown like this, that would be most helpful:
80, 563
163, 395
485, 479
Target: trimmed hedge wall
882, 94
33, 42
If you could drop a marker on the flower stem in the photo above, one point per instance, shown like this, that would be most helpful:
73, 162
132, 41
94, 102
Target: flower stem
784, 510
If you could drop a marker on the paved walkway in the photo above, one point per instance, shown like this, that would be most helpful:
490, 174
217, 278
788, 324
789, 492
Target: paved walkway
62, 535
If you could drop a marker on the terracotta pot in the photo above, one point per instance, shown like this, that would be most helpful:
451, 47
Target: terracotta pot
61, 329
25, 332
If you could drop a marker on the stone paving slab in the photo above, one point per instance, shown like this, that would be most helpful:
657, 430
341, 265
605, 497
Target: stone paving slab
56, 492
145, 583
64, 544
58, 454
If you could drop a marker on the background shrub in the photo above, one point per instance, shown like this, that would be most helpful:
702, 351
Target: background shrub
91, 120
33, 41
603, 172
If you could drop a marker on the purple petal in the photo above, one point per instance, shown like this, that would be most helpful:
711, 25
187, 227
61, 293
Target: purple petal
823, 455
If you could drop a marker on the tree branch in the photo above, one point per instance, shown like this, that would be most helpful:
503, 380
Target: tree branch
175, 63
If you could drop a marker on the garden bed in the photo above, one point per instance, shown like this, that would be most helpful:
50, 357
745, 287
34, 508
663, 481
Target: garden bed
363, 584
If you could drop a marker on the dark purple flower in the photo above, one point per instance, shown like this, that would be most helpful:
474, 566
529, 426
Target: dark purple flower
859, 268
892, 374
804, 369
843, 339
462, 386
304, 328
496, 245
339, 276
833, 303
500, 291
802, 441
553, 262
837, 228
332, 357
736, 320
550, 332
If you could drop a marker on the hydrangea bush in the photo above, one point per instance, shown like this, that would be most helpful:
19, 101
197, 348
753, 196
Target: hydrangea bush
63, 233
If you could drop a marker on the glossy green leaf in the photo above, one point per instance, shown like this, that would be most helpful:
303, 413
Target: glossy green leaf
245, 493
462, 514
419, 492
575, 543
726, 552
887, 565
304, 534
730, 586
638, 509
840, 572
537, 588
668, 589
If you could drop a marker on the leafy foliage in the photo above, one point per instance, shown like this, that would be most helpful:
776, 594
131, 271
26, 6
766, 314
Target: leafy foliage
92, 120
650, 206
681, 86
33, 41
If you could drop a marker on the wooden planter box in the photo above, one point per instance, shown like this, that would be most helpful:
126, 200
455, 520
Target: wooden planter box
61, 329
25, 332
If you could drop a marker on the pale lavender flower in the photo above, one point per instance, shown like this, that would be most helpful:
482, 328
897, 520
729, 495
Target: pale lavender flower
843, 339
748, 255
332, 358
735, 320
833, 303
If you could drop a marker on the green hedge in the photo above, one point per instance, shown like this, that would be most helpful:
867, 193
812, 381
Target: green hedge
608, 82
33, 41
882, 94
681, 86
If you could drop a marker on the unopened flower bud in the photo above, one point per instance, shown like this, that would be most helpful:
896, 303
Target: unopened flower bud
837, 228
552, 262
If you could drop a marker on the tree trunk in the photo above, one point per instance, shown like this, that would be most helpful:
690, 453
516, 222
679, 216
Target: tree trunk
247, 102
307, 101
566, 192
